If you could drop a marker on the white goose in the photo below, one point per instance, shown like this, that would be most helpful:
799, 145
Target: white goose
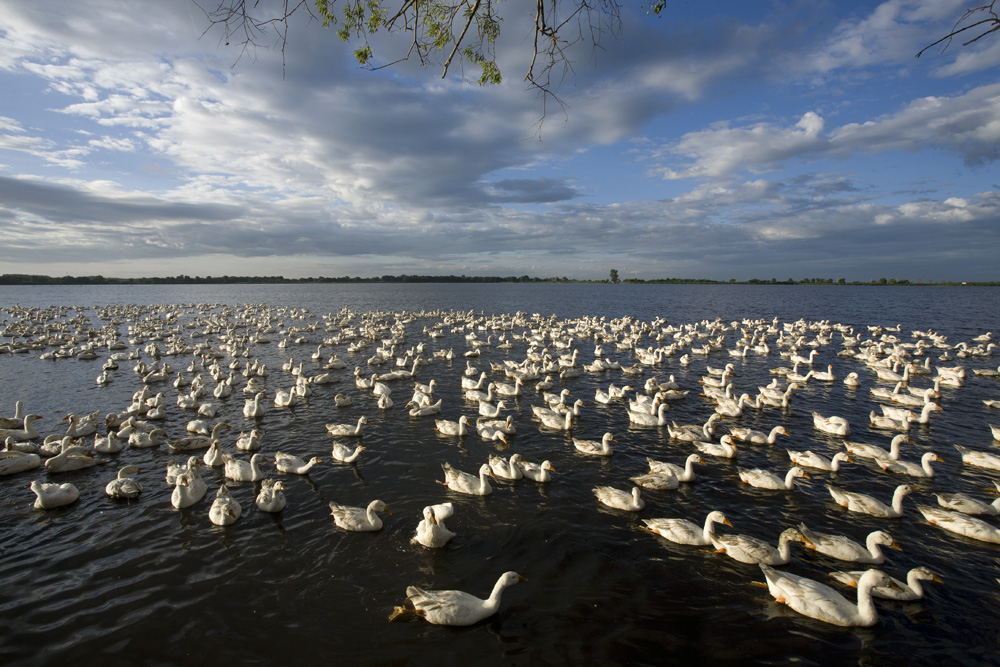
966, 504
448, 607
645, 419
252, 408
506, 469
833, 425
537, 472
682, 531
359, 519
724, 449
757, 437
345, 454
239, 470
271, 497
459, 428
821, 602
865, 504
980, 459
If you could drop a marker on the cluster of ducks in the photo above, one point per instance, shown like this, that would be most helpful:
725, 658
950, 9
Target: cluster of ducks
221, 353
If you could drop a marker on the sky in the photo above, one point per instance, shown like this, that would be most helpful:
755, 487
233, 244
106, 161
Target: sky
722, 140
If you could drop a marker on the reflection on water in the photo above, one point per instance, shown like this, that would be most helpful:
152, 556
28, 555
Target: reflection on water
99, 580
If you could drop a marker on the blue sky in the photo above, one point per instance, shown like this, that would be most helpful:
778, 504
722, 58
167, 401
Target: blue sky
722, 140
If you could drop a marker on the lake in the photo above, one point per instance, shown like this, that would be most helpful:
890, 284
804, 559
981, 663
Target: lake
116, 582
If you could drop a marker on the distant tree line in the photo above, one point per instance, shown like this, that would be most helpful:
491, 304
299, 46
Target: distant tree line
32, 279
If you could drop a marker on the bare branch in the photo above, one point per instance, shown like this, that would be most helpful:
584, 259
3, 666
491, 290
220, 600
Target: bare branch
985, 7
458, 42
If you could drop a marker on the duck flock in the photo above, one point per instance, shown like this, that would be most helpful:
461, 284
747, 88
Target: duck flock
531, 399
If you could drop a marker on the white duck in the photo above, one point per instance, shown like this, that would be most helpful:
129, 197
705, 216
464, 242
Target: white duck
431, 531
907, 591
980, 459
271, 497
175, 469
646, 419
70, 458
595, 448
124, 485
189, 488
252, 409
506, 469
757, 437
359, 519
239, 470
821, 602
463, 482
345, 454
752, 550
683, 473
225, 509
765, 479
961, 524
291, 464
50, 496
656, 480
724, 449
811, 459
620, 500
682, 531
537, 472
865, 504
874, 452
28, 432
922, 469
13, 462
966, 504
347, 430
448, 607
424, 410
833, 425
459, 428
842, 547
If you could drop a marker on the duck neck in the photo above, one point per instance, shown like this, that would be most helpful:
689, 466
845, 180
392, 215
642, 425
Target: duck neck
866, 607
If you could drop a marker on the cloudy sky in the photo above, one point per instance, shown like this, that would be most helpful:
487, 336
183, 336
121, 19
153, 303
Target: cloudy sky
723, 140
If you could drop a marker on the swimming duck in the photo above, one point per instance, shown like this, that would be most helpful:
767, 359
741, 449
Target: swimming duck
458, 428
359, 519
810, 459
271, 497
646, 419
198, 441
875, 452
288, 463
833, 425
765, 479
683, 473
537, 472
751, 550
347, 430
757, 437
907, 591
424, 410
50, 496
449, 607
342, 400
244, 471
595, 448
252, 409
70, 458
506, 469
620, 500
225, 509
345, 454
865, 504
189, 488
27, 432
13, 462
463, 482
175, 469
683, 531
922, 469
431, 531
842, 547
249, 442
656, 480
961, 524
724, 449
124, 486
821, 602
145, 439
977, 458
966, 504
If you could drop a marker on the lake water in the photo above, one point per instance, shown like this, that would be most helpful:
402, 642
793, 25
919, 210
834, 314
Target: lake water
112, 582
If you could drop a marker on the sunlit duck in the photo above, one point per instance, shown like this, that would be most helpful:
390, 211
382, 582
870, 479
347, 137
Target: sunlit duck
282, 399
490, 410
460, 427
175, 469
961, 524
359, 519
842, 547
50, 496
865, 504
693, 432
977, 458
468, 383
213, 455
431, 531
824, 376
272, 496
252, 409
874, 452
345, 454
507, 389
646, 419
683, 531
240, 470
28, 432
723, 449
922, 469
463, 482
966, 504
757, 437
915, 401
832, 425
884, 422
15, 422
506, 469
342, 400
477, 395
189, 488
752, 550
249, 442
595, 448
145, 440
821, 602
620, 500
537, 472
70, 458
560, 422
852, 380
907, 591
765, 479
424, 410
124, 486
683, 473
13, 462
225, 509
346, 430
811, 459
289, 463
656, 480
448, 607
193, 442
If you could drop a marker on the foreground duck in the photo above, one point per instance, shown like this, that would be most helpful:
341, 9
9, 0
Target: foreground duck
450, 607
821, 602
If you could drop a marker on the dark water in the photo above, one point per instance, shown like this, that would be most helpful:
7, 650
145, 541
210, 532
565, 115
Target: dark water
112, 582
